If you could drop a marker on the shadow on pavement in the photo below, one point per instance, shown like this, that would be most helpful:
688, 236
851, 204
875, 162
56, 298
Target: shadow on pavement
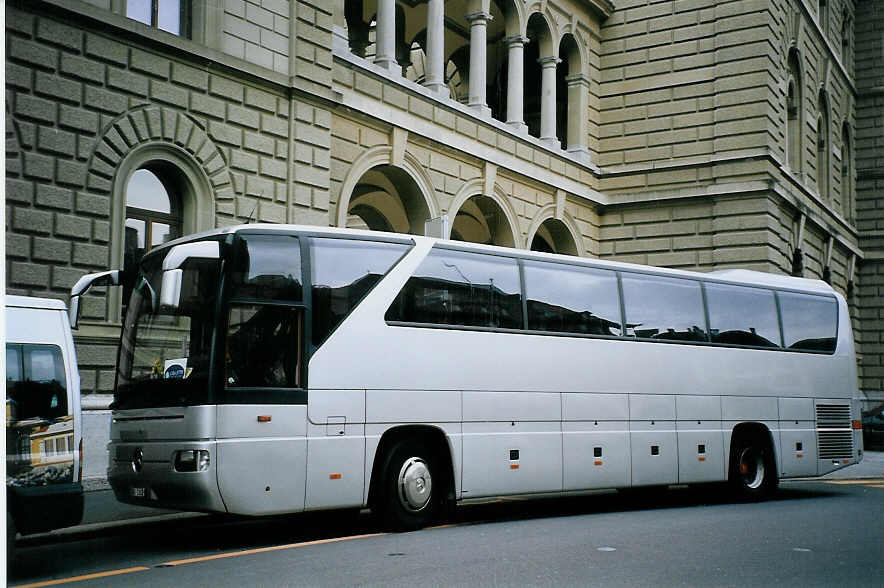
154, 543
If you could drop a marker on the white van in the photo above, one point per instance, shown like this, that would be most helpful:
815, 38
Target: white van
44, 444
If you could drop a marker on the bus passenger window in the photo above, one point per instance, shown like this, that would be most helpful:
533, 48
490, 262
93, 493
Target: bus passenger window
461, 289
264, 347
742, 316
659, 307
343, 271
809, 322
571, 299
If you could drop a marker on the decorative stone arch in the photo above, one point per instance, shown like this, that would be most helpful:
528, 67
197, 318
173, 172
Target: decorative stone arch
566, 222
516, 17
475, 188
160, 136
380, 156
551, 43
576, 31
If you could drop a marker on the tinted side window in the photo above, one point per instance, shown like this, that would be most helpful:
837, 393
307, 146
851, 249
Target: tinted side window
462, 289
343, 272
742, 316
267, 267
35, 384
809, 322
570, 299
658, 307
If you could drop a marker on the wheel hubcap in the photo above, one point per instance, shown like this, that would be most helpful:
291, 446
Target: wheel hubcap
415, 484
752, 468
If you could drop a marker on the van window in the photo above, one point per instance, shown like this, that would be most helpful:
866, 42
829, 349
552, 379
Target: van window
35, 382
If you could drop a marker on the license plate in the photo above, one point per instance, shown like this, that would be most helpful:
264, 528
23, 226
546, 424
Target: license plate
138, 492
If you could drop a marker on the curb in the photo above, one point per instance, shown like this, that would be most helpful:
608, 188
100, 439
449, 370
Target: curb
71, 533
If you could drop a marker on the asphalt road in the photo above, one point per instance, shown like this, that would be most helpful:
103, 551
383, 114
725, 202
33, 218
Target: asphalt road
812, 533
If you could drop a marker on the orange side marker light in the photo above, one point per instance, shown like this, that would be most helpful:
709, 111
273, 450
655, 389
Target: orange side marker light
334, 476
264, 418
597, 462
514, 466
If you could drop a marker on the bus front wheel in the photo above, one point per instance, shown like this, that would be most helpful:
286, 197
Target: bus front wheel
752, 471
410, 498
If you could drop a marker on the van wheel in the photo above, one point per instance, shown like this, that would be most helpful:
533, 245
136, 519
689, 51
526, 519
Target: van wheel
410, 499
752, 474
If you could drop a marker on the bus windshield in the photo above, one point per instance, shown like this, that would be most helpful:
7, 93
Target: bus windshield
165, 355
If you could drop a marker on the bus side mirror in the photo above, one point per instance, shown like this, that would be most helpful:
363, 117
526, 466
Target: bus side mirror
108, 278
170, 290
173, 275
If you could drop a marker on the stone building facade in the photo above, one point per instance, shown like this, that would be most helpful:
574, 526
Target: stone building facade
700, 134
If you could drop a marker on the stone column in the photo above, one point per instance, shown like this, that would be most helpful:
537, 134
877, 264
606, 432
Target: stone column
478, 61
548, 101
386, 37
515, 84
435, 75
578, 101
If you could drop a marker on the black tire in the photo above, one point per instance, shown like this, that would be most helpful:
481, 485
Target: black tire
412, 487
753, 473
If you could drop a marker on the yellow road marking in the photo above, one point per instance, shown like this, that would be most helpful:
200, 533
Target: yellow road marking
85, 577
267, 549
200, 559
871, 481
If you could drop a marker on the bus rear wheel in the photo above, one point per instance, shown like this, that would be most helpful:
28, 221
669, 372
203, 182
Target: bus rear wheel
411, 494
752, 471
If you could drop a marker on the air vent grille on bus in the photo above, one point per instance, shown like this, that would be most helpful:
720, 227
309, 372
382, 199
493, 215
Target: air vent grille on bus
834, 435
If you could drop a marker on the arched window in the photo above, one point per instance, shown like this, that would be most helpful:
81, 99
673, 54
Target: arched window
793, 114
822, 142
153, 212
846, 173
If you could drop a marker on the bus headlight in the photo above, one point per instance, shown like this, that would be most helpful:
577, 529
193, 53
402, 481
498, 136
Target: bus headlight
192, 460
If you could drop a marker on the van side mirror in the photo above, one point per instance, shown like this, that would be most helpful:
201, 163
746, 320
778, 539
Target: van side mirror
173, 275
108, 278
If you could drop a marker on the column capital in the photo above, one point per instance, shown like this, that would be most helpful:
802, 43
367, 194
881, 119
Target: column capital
549, 61
479, 16
515, 40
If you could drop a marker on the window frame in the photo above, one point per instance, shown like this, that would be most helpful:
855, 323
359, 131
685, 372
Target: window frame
262, 394
185, 15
